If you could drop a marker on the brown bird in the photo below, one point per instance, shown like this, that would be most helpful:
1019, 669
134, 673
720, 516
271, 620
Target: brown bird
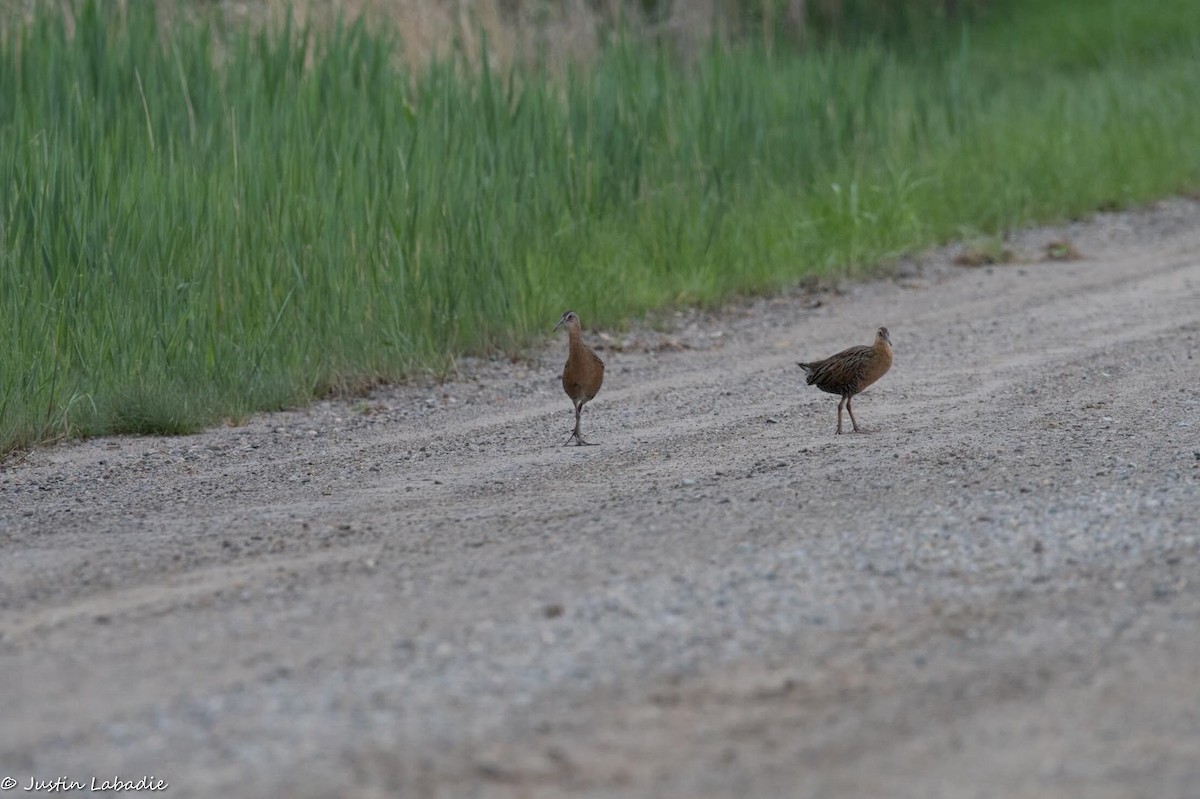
583, 372
851, 371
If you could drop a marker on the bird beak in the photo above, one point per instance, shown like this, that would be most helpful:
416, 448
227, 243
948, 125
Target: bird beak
560, 324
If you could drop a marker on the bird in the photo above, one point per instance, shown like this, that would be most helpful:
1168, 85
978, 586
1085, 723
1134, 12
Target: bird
850, 371
582, 374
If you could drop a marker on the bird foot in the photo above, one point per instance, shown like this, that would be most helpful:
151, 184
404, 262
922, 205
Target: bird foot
579, 442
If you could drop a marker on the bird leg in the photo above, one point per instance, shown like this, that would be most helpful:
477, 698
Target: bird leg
841, 402
851, 412
576, 436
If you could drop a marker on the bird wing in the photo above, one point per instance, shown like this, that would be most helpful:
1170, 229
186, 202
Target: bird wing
842, 371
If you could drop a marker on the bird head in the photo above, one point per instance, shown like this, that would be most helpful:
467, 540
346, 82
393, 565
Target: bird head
882, 335
570, 319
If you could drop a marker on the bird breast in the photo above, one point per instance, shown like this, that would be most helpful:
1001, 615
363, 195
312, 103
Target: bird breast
583, 372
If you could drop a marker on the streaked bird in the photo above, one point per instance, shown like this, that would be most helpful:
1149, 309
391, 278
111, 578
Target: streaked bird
850, 371
583, 372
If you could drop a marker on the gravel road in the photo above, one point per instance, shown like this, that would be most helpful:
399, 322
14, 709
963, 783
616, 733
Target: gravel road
991, 592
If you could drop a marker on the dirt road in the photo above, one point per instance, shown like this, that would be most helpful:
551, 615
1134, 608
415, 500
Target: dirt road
993, 591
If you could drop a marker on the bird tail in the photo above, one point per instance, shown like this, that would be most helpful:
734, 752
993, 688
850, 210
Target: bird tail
809, 372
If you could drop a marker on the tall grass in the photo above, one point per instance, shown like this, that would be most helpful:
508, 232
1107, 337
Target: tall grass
191, 232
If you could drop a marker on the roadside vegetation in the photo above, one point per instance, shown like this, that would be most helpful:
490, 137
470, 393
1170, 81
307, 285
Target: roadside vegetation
198, 221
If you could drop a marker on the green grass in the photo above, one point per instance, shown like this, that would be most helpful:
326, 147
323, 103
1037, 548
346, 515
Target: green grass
197, 224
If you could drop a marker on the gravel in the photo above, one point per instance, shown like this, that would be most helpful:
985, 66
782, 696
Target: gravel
990, 592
